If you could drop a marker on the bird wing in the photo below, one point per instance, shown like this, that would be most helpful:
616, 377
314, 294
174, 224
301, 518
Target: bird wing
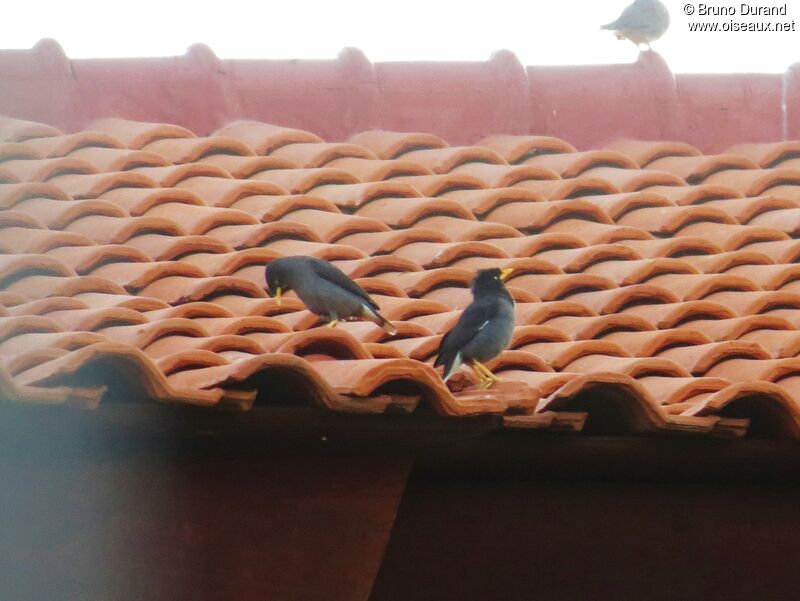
634, 16
335, 276
476, 317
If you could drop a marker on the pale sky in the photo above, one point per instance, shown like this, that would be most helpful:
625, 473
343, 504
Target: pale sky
540, 32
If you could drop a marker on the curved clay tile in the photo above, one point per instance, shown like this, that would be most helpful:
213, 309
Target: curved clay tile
768, 154
785, 220
752, 182
190, 150
376, 266
172, 175
365, 331
228, 263
722, 262
19, 219
404, 309
731, 237
15, 267
460, 297
391, 144
762, 301
739, 369
27, 240
788, 191
672, 247
617, 205
423, 348
240, 326
135, 276
779, 343
572, 164
178, 289
625, 273
59, 146
188, 359
435, 185
135, 134
352, 196
515, 149
738, 327
460, 230
192, 310
247, 236
272, 208
11, 194
573, 260
137, 201
533, 334
296, 320
768, 277
375, 170
586, 328
404, 212
330, 227
444, 160
670, 391
538, 313
90, 320
11, 151
782, 251
520, 265
8, 299
57, 214
243, 167
44, 169
699, 359
160, 247
432, 254
667, 220
690, 195
265, 137
119, 159
648, 344
6, 177
618, 299
644, 152
502, 175
16, 130
597, 233
93, 185
220, 192
744, 209
635, 367
532, 245
41, 286
557, 286
481, 202
671, 315
116, 230
26, 324
329, 252
44, 306
532, 216
300, 181
324, 343
200, 219
318, 154
559, 189
418, 283
67, 341
700, 286
137, 303
437, 323
560, 354
631, 180
241, 305
696, 169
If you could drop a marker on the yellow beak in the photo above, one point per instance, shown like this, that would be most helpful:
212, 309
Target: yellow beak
504, 273
278, 295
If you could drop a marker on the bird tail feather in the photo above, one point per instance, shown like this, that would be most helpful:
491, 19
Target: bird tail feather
451, 366
378, 319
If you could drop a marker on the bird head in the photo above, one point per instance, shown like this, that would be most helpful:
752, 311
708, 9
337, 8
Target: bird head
277, 276
490, 280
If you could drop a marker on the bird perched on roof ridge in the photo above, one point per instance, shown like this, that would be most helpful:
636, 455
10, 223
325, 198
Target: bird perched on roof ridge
642, 22
324, 289
484, 329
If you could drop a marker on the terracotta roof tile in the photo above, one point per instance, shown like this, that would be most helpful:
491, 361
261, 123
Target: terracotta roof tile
16, 130
768, 154
515, 149
435, 185
695, 169
496, 175
265, 137
687, 195
59, 146
10, 194
572, 164
645, 152
44, 169
582, 185
189, 150
135, 134
94, 185
174, 174
374, 170
391, 144
752, 182
319, 154
118, 159
137, 201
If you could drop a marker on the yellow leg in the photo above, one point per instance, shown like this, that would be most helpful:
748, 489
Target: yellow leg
484, 381
488, 375
332, 323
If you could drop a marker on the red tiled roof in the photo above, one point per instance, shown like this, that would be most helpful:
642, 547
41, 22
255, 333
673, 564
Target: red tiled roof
656, 286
